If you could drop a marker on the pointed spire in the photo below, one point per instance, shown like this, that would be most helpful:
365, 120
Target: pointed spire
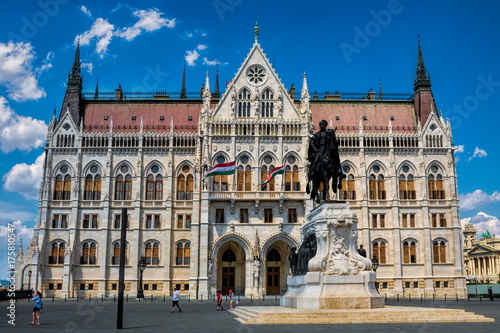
183, 88
96, 94
304, 95
422, 77
217, 92
75, 75
207, 81
54, 115
256, 29
305, 89
76, 69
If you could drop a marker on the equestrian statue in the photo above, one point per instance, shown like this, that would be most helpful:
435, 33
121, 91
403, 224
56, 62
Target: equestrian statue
324, 164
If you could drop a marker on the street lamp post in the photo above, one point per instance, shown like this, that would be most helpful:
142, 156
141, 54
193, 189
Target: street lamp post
141, 266
29, 280
374, 267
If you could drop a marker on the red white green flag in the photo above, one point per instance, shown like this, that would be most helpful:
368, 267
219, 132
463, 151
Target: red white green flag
276, 171
221, 169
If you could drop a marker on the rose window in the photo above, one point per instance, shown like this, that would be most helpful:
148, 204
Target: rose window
256, 75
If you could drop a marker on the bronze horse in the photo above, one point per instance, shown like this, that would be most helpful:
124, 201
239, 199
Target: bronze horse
324, 166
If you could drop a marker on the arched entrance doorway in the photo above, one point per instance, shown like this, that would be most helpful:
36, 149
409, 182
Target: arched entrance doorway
231, 270
276, 266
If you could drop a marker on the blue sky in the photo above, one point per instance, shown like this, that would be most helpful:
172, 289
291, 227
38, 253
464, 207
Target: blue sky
348, 46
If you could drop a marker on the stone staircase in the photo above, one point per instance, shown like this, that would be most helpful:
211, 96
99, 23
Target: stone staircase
275, 315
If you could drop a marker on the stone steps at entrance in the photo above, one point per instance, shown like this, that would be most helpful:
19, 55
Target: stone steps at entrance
275, 315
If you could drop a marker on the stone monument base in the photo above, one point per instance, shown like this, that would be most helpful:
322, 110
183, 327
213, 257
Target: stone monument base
315, 290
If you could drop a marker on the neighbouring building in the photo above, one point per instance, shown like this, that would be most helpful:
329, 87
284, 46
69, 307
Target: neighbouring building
147, 152
481, 258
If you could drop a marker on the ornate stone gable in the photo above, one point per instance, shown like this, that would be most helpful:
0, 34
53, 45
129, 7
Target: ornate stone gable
256, 92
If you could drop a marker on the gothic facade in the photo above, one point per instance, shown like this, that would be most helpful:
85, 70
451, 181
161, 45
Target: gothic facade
148, 153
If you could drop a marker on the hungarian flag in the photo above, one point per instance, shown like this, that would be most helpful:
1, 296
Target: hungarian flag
276, 171
221, 169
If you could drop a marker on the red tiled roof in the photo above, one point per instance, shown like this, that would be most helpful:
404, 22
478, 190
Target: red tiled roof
377, 115
122, 114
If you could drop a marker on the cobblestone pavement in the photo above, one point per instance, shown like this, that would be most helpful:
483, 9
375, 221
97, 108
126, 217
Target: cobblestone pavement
196, 316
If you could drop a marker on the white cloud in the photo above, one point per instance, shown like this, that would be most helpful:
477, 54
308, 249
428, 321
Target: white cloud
483, 222
102, 31
149, 20
459, 149
478, 153
212, 62
201, 47
21, 232
191, 57
89, 66
17, 73
19, 132
86, 11
477, 199
25, 178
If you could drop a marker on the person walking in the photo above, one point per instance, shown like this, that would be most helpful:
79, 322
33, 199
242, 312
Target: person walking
175, 300
231, 300
219, 301
490, 293
37, 298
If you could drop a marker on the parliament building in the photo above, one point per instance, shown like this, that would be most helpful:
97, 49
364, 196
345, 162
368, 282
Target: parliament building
148, 153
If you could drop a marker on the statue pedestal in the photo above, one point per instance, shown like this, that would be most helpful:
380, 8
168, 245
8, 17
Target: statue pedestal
338, 277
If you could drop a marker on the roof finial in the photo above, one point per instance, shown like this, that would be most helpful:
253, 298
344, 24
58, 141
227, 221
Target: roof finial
256, 29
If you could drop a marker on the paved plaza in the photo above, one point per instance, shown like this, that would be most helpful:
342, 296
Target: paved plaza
196, 316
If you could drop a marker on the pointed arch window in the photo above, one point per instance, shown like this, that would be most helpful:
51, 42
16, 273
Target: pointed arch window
409, 252
123, 184
348, 191
115, 259
92, 184
57, 253
244, 103
292, 182
379, 250
183, 255
377, 184
62, 186
439, 252
273, 256
244, 175
185, 184
154, 184
264, 172
435, 184
267, 104
406, 184
229, 256
152, 256
89, 250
